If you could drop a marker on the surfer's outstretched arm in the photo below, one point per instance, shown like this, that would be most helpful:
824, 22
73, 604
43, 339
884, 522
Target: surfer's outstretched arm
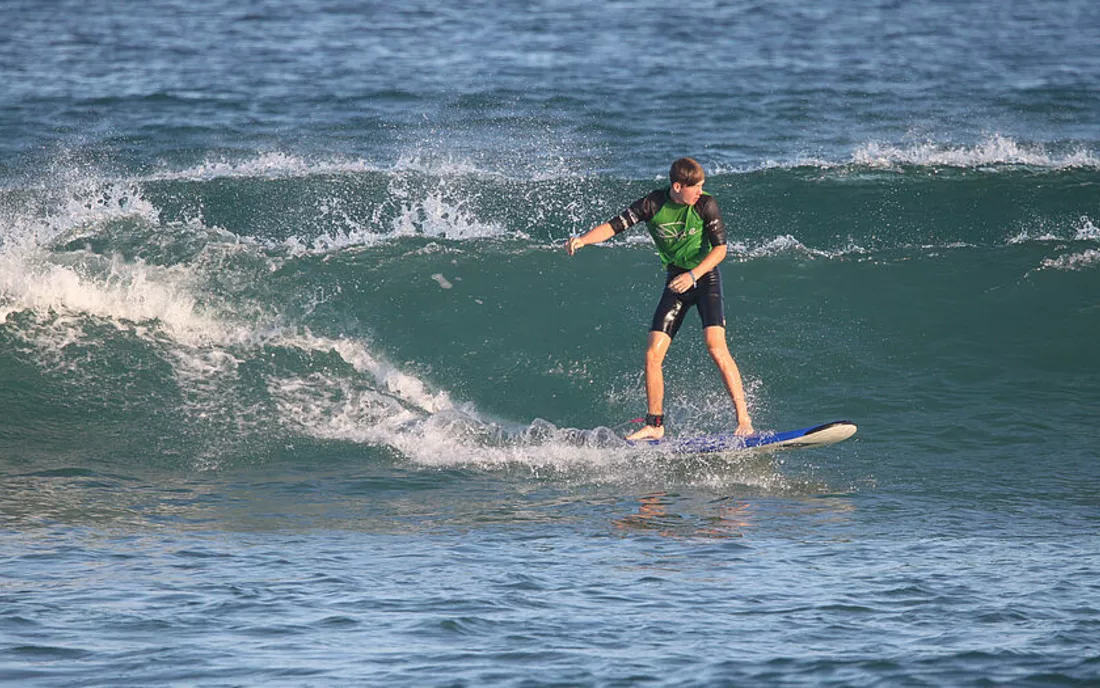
593, 236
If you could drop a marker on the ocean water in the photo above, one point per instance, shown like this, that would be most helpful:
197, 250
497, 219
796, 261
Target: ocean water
298, 387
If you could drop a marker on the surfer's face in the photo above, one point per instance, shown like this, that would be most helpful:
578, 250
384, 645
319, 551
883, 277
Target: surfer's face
687, 194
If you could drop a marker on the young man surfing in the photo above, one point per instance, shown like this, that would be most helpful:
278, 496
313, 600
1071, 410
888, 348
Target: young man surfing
687, 228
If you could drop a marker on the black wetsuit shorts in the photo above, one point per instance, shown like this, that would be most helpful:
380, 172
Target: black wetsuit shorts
706, 296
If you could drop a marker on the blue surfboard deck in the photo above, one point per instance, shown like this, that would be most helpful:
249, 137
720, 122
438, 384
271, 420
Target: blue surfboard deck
812, 436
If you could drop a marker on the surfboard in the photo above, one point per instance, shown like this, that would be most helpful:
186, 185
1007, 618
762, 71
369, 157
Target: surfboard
813, 436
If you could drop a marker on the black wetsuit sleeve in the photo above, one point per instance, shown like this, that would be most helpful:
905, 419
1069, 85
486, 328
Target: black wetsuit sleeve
640, 210
715, 229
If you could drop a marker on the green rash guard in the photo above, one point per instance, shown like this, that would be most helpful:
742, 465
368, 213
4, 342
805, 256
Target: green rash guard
684, 234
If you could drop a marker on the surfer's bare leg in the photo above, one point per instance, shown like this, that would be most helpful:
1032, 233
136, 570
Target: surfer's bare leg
731, 376
654, 384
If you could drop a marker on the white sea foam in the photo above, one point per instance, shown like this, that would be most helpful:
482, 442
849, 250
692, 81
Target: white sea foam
784, 244
789, 244
995, 150
431, 214
1086, 230
1082, 230
281, 165
270, 165
1074, 261
426, 427
1025, 236
69, 208
115, 289
331, 408
434, 216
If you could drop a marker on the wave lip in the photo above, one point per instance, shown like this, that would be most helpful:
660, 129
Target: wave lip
269, 165
997, 150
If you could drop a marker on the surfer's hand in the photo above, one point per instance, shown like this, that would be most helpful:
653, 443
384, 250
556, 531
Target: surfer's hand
681, 283
572, 244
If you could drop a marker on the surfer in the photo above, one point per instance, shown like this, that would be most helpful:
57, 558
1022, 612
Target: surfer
687, 228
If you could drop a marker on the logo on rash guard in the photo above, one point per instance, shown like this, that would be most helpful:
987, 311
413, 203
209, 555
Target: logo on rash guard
673, 231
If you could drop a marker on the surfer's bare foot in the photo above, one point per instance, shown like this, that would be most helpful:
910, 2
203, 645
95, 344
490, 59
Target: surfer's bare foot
743, 430
647, 433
